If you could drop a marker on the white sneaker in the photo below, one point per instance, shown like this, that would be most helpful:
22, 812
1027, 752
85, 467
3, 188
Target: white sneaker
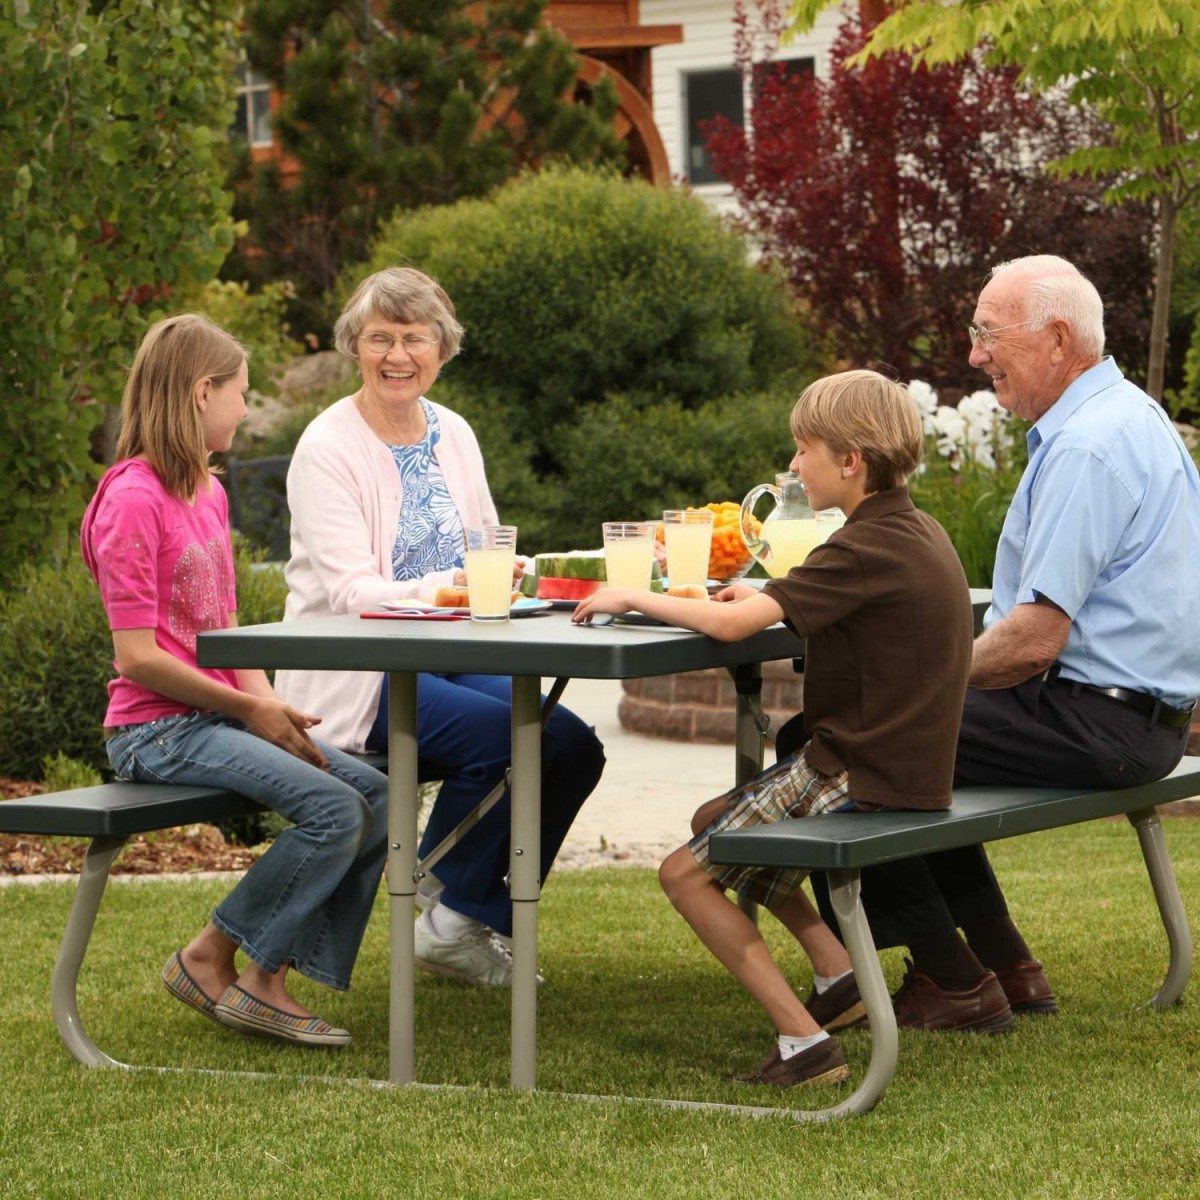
478, 957
429, 893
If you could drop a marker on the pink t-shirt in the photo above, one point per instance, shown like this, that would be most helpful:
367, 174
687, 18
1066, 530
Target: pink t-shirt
161, 564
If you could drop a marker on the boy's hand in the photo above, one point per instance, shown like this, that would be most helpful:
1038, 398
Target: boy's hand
606, 600
735, 591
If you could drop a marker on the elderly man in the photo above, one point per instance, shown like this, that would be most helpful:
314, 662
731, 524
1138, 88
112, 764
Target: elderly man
1088, 668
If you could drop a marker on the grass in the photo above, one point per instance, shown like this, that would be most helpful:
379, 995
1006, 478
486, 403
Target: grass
1103, 1100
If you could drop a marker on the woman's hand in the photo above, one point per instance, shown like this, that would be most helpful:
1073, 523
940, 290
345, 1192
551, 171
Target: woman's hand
286, 727
606, 600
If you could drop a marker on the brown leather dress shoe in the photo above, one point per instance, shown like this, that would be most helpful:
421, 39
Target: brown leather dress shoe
921, 1004
838, 1007
822, 1063
1027, 988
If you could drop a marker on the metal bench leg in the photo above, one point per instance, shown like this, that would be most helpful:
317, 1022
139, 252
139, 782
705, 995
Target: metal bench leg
844, 892
92, 880
1170, 905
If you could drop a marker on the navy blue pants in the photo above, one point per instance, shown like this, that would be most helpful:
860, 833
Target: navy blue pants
1047, 734
464, 725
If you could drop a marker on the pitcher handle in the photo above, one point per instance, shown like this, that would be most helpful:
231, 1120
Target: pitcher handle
755, 544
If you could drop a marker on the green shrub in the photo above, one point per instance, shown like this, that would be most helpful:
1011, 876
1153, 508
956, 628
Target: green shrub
971, 500
56, 658
579, 286
63, 774
256, 319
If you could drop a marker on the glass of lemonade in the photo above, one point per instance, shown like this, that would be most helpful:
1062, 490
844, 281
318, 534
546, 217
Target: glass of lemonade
688, 534
629, 553
491, 551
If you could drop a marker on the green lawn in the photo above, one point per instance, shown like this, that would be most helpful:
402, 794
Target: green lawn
1103, 1100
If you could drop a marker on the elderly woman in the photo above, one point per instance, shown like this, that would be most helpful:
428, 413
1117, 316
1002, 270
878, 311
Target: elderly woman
380, 488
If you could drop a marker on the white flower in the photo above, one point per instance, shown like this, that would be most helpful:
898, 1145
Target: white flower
974, 430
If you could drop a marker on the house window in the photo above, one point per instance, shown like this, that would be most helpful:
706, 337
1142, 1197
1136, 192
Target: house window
708, 94
253, 121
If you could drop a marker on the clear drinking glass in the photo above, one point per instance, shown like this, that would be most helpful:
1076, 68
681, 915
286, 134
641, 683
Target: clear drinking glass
688, 535
491, 551
629, 553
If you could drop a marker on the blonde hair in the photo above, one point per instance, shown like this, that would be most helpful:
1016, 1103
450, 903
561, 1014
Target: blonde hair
159, 417
404, 296
864, 411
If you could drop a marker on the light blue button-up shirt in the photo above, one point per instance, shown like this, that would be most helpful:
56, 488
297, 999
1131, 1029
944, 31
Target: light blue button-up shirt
1106, 524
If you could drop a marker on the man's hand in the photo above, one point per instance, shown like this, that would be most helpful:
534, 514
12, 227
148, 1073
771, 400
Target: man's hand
1025, 643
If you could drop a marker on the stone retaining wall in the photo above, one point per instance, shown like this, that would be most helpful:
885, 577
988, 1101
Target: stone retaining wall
700, 706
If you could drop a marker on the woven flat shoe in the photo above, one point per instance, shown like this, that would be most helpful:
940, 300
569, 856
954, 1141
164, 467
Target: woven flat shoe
838, 1007
247, 1014
182, 986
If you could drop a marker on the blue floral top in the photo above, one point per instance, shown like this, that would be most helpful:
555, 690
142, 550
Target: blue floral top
429, 536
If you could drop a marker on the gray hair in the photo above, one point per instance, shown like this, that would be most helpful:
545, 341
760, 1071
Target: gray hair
404, 296
1059, 291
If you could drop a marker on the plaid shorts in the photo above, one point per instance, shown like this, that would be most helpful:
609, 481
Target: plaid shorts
788, 790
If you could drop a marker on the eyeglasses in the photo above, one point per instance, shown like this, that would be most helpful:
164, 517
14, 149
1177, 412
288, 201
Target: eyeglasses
986, 337
415, 344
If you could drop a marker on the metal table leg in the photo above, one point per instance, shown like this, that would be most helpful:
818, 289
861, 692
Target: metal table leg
401, 869
524, 878
747, 741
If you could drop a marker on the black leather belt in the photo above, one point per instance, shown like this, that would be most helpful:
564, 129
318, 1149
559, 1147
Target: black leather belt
1141, 702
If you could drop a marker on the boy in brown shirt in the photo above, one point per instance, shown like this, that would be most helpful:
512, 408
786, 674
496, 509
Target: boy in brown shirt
886, 612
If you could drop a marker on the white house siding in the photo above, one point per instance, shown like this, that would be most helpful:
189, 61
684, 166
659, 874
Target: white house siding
708, 34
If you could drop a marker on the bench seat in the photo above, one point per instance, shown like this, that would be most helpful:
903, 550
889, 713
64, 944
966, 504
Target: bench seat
109, 815
977, 814
844, 843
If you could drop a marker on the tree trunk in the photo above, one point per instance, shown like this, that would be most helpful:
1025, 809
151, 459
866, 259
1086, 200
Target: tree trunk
1168, 212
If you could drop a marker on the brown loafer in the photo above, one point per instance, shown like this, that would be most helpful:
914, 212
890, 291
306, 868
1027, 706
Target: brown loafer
838, 1007
822, 1063
1027, 988
921, 1004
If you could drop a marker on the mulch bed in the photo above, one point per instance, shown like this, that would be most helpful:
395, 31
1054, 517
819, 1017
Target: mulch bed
189, 849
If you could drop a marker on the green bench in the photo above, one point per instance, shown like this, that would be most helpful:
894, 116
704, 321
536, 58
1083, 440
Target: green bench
110, 815
843, 843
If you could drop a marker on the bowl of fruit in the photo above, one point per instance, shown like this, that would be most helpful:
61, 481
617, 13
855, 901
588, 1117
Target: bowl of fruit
729, 558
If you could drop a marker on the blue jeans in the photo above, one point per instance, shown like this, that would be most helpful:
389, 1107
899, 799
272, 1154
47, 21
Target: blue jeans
306, 902
464, 725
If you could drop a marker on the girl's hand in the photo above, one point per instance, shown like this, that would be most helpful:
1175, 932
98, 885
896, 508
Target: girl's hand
606, 600
735, 591
286, 727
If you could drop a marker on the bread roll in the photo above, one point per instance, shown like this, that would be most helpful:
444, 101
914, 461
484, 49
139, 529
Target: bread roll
689, 591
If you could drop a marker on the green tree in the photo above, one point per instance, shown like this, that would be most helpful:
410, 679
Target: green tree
397, 104
577, 287
1135, 62
111, 117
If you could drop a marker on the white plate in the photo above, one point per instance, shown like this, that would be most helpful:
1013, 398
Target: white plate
525, 607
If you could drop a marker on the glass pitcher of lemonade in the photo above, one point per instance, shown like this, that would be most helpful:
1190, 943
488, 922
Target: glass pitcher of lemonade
790, 530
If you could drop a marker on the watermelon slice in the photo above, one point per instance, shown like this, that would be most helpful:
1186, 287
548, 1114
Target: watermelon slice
558, 588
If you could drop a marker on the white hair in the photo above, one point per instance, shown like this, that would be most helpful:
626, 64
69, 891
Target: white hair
1058, 291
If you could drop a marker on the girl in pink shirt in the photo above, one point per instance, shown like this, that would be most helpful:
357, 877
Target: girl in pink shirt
156, 538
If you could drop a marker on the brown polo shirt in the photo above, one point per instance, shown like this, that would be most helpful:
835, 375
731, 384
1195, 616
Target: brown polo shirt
886, 612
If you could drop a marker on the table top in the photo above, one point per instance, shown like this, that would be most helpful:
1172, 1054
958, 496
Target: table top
544, 644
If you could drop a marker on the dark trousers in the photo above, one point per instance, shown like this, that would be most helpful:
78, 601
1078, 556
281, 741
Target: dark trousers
1048, 734
465, 740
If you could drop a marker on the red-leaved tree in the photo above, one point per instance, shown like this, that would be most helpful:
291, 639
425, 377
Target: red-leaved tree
887, 193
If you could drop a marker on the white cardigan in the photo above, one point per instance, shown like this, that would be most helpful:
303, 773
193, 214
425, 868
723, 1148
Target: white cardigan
344, 495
